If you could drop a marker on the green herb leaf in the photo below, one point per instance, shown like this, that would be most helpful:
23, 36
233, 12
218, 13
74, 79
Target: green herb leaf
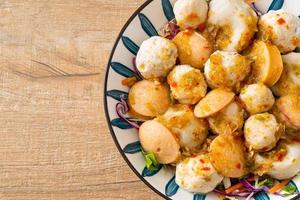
289, 190
267, 182
151, 162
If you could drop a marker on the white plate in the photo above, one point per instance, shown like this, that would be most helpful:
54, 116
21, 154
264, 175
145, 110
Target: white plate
145, 22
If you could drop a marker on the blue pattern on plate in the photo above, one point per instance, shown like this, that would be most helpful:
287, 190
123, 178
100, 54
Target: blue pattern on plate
148, 173
120, 123
261, 196
117, 94
130, 45
168, 9
147, 25
133, 148
276, 5
199, 197
171, 187
122, 69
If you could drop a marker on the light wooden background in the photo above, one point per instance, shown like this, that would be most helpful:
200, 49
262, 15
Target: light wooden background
54, 141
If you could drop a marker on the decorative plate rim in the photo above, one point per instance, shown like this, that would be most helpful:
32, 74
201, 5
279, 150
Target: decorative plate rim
112, 133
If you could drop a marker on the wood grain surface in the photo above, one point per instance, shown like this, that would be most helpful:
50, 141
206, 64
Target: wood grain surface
54, 140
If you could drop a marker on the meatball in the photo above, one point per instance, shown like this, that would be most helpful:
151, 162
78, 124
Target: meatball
156, 138
289, 83
288, 111
228, 155
233, 22
257, 98
190, 131
281, 28
156, 57
197, 175
262, 131
187, 84
229, 120
193, 48
190, 13
226, 69
149, 98
283, 163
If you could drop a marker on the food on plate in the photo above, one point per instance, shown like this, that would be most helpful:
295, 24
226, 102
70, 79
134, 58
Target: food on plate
187, 84
233, 22
289, 110
196, 174
267, 63
226, 69
281, 28
149, 98
213, 102
189, 14
190, 131
228, 120
257, 98
282, 163
227, 154
289, 83
262, 132
156, 138
156, 57
203, 97
193, 48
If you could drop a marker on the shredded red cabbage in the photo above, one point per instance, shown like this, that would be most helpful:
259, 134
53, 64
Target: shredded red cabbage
233, 194
122, 109
250, 196
251, 188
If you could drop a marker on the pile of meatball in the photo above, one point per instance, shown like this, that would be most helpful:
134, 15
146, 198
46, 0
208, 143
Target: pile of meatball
222, 98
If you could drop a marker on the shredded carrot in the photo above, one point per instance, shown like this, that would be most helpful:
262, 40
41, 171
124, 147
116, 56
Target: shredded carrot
234, 188
129, 82
278, 186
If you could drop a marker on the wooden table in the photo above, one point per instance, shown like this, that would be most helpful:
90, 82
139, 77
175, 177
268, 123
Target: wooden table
54, 140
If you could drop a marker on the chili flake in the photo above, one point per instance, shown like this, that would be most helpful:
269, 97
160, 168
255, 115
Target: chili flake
280, 21
205, 168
